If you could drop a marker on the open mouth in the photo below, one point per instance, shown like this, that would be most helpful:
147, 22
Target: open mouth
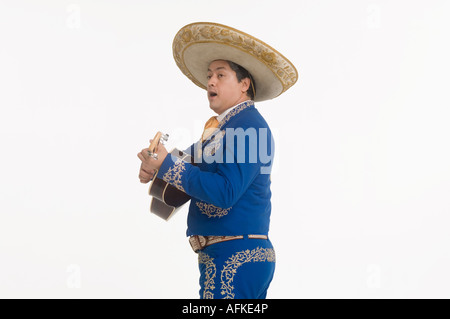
212, 94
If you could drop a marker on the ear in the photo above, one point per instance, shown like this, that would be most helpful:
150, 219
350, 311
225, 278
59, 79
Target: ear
245, 85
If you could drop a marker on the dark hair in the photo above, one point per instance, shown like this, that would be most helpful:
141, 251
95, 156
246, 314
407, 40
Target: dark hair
242, 73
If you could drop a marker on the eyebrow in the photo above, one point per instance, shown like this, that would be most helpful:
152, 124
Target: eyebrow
219, 68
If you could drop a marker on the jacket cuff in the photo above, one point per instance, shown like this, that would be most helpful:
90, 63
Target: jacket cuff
172, 171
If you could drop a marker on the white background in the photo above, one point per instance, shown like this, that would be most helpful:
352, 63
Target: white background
361, 180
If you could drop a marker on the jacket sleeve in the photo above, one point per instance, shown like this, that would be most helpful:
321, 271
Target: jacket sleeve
222, 188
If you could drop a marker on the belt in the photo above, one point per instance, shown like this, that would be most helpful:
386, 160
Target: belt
199, 242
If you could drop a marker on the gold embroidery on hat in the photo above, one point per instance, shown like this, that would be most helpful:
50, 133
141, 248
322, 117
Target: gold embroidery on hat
216, 33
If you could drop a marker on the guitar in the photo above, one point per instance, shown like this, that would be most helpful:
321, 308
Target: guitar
167, 199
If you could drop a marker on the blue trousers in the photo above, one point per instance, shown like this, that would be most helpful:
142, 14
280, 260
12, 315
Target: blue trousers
236, 269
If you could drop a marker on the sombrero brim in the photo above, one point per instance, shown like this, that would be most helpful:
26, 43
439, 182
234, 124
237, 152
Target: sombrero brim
198, 44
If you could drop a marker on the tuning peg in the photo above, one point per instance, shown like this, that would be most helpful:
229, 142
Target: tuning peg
152, 155
164, 138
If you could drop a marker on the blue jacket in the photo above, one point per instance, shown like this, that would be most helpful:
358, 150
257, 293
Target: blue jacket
230, 184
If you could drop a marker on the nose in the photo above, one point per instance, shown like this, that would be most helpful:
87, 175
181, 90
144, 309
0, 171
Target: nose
212, 81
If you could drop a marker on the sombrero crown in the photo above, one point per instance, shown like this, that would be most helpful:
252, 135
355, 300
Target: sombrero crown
198, 44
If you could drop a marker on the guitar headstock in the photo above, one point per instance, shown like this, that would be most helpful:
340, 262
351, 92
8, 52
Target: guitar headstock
159, 138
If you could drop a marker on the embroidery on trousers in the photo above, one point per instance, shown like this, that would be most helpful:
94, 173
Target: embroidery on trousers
173, 175
212, 211
237, 260
210, 274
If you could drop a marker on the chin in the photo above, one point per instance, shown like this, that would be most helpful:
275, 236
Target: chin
214, 107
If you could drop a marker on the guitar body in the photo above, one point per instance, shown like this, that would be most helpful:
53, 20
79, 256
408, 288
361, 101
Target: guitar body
167, 199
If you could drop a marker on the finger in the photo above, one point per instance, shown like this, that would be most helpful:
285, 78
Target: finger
144, 177
147, 170
145, 180
141, 157
144, 152
159, 148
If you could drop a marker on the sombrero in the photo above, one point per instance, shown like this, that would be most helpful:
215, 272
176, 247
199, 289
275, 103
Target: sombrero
198, 44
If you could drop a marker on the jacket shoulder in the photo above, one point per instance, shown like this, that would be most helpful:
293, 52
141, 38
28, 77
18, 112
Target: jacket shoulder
248, 118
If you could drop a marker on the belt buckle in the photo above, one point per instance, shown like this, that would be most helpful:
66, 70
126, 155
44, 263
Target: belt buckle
197, 242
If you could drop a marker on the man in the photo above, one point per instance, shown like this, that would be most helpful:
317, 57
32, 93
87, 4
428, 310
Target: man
229, 213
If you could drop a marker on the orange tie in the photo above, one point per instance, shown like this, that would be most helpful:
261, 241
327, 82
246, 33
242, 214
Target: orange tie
210, 127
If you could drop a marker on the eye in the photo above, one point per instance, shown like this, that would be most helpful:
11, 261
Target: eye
221, 75
208, 77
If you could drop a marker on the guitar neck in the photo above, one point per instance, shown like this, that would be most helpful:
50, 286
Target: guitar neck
155, 142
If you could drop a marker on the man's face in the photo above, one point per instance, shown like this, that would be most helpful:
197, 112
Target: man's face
224, 90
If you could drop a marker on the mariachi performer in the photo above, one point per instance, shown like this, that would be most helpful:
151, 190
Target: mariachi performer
229, 184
